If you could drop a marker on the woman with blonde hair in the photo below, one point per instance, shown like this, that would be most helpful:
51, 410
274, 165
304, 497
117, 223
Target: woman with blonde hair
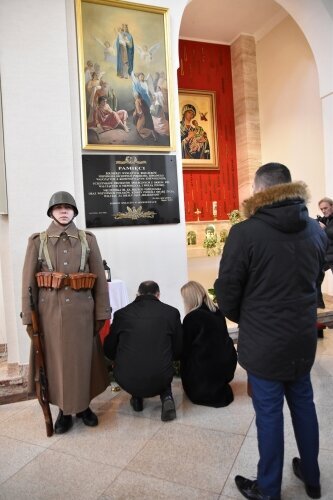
209, 357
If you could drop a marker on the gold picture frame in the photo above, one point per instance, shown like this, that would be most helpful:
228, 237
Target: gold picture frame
124, 71
198, 130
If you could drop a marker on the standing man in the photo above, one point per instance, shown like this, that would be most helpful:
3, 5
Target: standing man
145, 338
267, 284
326, 223
64, 268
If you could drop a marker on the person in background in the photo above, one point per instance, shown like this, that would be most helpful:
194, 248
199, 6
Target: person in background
267, 284
145, 338
326, 223
72, 310
209, 358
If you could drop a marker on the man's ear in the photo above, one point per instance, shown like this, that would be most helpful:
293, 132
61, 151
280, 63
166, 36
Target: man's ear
257, 187
157, 294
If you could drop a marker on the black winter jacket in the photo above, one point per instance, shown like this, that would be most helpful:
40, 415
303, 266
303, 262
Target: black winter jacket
329, 232
209, 358
145, 337
267, 282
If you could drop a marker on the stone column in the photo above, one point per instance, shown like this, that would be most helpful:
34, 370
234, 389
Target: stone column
246, 109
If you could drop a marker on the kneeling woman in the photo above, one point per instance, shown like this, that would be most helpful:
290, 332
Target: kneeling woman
209, 357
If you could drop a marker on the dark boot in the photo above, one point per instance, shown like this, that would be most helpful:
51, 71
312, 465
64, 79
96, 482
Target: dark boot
250, 489
311, 491
63, 423
89, 417
168, 409
136, 403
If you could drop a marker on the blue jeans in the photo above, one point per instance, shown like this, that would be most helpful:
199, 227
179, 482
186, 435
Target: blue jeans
268, 398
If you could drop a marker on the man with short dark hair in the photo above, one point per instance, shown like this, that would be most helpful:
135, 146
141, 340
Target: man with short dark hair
145, 337
267, 284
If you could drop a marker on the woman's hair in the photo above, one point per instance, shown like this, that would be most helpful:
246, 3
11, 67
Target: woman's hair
194, 295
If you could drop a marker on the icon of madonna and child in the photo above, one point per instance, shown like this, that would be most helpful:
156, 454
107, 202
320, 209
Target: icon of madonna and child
195, 143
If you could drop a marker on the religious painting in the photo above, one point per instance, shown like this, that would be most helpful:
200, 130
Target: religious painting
198, 129
124, 59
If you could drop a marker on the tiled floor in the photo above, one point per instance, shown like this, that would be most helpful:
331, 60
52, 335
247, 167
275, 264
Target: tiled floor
136, 456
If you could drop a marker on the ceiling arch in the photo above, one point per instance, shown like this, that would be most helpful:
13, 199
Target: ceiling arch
224, 20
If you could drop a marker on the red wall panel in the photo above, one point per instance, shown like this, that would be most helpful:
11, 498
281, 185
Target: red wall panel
207, 66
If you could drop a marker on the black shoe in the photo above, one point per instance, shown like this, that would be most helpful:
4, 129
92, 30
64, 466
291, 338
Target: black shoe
136, 403
168, 409
311, 491
89, 418
250, 489
63, 423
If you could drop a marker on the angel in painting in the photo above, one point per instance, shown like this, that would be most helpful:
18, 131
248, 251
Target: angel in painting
146, 53
109, 51
144, 85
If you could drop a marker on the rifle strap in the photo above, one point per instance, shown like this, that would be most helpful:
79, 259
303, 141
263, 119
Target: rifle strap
43, 249
85, 249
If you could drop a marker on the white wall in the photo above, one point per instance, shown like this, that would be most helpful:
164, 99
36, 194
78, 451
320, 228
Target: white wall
313, 18
3, 336
43, 155
290, 108
292, 114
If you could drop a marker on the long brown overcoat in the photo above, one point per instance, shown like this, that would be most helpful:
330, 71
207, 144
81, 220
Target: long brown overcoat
75, 367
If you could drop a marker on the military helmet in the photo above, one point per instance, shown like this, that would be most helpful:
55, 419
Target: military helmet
62, 198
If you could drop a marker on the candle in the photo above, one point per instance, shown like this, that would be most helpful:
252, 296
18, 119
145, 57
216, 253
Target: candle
214, 209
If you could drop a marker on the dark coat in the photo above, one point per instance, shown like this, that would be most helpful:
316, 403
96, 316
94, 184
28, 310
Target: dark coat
145, 337
209, 358
267, 282
329, 232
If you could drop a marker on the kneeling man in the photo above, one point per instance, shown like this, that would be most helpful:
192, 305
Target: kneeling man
145, 338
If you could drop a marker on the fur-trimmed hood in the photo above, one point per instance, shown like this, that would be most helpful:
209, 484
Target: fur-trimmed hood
279, 192
282, 205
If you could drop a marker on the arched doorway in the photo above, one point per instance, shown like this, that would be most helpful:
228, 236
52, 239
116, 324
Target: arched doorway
292, 112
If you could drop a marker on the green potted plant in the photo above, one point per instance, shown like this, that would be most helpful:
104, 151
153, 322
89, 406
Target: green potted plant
211, 242
235, 216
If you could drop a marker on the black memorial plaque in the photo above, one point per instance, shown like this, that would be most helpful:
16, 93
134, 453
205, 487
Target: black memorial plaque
130, 190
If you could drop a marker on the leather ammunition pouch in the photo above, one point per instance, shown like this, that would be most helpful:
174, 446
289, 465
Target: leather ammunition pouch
77, 281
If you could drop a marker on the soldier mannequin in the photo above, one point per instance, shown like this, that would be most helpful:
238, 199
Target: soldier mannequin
69, 315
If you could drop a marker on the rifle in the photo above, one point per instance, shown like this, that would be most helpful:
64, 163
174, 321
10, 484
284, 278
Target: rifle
40, 368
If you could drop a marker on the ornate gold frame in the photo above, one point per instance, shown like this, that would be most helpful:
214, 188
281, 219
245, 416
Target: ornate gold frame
101, 36
202, 103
